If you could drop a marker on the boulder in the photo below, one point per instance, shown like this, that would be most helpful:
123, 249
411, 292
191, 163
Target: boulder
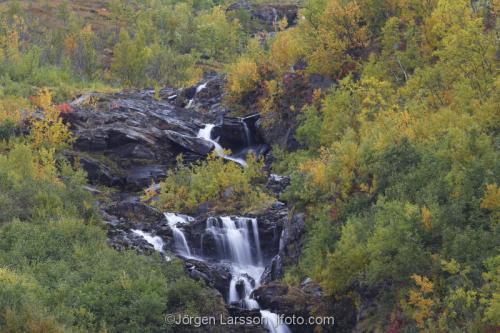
296, 301
215, 275
291, 241
191, 143
129, 140
266, 14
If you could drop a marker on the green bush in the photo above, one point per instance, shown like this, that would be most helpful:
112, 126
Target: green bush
68, 272
225, 185
31, 188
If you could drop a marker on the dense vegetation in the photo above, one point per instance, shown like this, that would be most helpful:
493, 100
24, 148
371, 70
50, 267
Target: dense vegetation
225, 187
397, 166
57, 272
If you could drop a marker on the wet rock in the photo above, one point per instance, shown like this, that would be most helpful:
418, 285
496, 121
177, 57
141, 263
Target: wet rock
277, 184
194, 144
237, 133
215, 275
266, 14
136, 211
236, 311
291, 241
129, 140
290, 301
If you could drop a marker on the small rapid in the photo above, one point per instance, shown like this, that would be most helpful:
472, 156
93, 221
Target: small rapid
180, 242
155, 241
206, 134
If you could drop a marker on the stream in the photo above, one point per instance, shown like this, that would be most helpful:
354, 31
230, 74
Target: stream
237, 242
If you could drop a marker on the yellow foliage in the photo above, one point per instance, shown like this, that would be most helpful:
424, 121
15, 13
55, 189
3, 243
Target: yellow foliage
491, 199
49, 132
12, 108
423, 306
338, 31
491, 202
285, 51
452, 266
243, 76
426, 218
423, 282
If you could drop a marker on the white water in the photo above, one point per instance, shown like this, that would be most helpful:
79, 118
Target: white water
271, 321
180, 241
198, 89
156, 241
206, 134
201, 87
248, 136
233, 241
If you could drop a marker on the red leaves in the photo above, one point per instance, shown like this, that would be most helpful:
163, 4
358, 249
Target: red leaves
64, 108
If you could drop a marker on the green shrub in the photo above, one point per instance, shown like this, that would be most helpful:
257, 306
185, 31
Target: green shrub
226, 186
68, 269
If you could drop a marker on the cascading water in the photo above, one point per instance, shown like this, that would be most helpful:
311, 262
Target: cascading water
272, 322
198, 89
180, 241
248, 136
156, 241
206, 134
237, 239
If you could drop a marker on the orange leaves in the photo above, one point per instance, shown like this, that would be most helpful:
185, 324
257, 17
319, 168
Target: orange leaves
70, 45
426, 286
417, 298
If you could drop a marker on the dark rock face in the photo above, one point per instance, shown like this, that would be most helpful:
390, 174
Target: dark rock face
126, 213
306, 301
291, 241
278, 126
205, 97
267, 14
238, 133
215, 275
194, 144
277, 184
130, 140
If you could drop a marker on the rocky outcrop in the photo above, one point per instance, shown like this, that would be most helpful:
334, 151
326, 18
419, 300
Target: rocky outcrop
267, 15
214, 275
291, 240
204, 97
305, 301
277, 127
130, 140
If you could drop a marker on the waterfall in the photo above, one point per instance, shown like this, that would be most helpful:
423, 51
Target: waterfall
201, 87
206, 134
271, 321
156, 241
198, 89
237, 239
248, 136
180, 241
